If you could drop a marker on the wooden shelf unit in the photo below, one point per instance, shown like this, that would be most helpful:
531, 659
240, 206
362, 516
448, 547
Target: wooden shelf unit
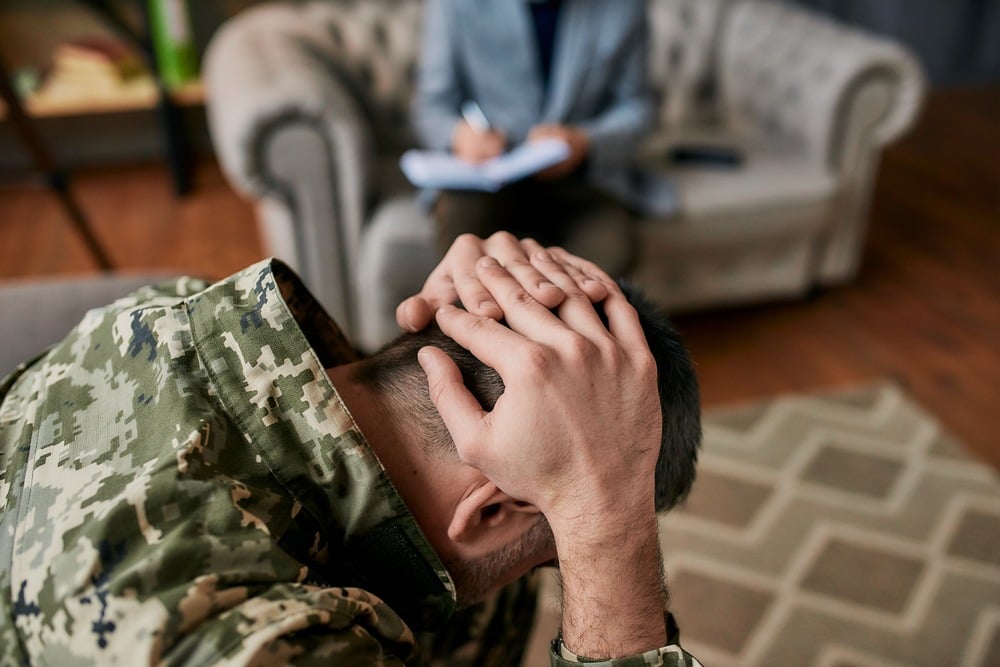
137, 98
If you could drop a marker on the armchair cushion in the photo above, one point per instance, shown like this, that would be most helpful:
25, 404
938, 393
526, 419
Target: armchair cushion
767, 181
768, 178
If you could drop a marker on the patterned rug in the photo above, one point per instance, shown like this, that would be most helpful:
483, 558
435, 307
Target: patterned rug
834, 530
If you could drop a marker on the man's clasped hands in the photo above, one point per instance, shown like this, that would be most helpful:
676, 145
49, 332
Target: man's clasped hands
577, 430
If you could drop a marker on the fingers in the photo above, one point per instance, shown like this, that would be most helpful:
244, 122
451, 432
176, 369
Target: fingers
572, 275
489, 341
460, 266
540, 275
522, 313
576, 310
455, 279
474, 145
515, 257
624, 323
509, 252
414, 313
555, 271
459, 409
546, 131
582, 270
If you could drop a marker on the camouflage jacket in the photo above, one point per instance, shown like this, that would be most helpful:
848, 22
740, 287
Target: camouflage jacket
180, 483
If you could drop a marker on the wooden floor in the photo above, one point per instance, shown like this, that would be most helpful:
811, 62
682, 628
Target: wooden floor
925, 311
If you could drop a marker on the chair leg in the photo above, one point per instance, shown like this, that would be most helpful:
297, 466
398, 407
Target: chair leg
58, 182
56, 179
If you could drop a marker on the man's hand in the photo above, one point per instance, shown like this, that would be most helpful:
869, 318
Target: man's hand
574, 137
576, 433
579, 415
475, 145
455, 278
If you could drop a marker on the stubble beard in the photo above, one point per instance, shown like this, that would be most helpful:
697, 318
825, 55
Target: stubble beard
476, 579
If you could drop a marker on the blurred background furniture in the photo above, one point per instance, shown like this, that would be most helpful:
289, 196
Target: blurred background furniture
56, 179
40, 312
171, 124
90, 81
308, 110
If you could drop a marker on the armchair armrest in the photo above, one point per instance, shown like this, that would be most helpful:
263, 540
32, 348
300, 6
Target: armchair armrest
271, 64
811, 86
289, 130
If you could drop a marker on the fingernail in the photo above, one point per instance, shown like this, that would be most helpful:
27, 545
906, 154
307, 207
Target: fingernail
488, 261
546, 283
545, 256
488, 305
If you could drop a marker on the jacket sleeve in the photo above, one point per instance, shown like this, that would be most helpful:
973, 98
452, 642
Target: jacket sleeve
667, 656
439, 93
301, 625
615, 134
671, 655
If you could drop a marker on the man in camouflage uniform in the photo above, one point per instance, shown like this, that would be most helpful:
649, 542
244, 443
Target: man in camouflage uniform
200, 474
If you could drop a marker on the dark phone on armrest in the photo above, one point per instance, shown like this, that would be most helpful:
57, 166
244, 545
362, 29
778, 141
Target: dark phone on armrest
705, 156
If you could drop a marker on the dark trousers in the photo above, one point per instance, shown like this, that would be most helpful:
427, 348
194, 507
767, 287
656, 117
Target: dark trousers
569, 213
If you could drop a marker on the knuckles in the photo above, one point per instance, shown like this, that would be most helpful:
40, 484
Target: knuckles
467, 451
521, 298
537, 360
478, 324
645, 366
501, 238
466, 241
580, 350
574, 293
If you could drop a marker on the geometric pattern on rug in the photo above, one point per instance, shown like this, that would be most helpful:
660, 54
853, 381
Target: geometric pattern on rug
842, 529
836, 530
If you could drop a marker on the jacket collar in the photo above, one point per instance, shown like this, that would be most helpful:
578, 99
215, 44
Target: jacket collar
267, 343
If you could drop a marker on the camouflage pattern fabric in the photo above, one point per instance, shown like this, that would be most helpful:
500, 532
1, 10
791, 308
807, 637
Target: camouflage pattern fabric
668, 656
492, 634
671, 655
180, 483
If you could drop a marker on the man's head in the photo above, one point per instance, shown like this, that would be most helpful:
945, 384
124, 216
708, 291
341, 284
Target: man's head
396, 378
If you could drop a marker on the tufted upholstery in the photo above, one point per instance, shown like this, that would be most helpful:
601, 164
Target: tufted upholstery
308, 108
782, 74
682, 57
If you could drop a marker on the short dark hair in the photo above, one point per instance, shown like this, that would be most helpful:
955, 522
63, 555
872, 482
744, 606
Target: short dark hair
395, 373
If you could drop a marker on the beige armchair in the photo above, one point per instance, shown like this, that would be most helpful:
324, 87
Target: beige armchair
308, 108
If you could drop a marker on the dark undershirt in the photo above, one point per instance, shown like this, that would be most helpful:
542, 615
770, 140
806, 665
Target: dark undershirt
545, 17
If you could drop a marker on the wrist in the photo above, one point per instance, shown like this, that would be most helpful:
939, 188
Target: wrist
614, 595
599, 517
610, 539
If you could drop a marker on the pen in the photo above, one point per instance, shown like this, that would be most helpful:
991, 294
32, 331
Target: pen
474, 116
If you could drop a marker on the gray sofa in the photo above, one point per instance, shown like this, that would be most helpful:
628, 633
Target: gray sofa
308, 109
40, 312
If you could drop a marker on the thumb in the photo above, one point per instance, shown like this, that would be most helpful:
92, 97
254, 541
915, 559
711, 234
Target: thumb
414, 313
460, 411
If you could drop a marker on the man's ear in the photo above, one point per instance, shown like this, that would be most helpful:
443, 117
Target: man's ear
489, 517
